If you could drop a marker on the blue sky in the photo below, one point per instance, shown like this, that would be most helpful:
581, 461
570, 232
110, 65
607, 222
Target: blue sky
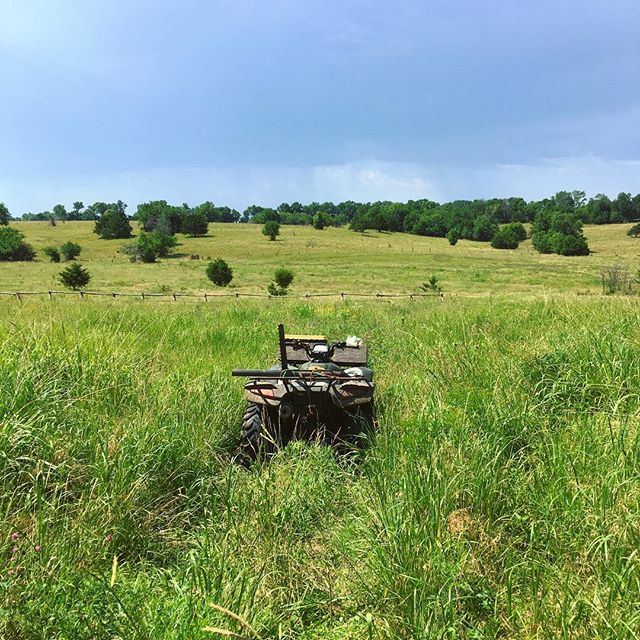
246, 101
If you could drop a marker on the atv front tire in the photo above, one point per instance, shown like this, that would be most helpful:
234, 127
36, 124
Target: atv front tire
257, 437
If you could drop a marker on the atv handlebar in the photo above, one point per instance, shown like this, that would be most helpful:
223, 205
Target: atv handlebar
315, 356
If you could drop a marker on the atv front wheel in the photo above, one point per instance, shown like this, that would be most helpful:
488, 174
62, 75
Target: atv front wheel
257, 437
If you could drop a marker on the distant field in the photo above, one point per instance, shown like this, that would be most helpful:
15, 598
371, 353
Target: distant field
499, 499
330, 260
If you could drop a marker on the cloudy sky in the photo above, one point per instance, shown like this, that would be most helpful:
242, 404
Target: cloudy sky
264, 101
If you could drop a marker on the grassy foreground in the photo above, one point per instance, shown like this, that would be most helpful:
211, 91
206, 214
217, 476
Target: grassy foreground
500, 497
332, 260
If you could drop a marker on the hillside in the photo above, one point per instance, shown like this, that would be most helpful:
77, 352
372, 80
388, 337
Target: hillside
332, 260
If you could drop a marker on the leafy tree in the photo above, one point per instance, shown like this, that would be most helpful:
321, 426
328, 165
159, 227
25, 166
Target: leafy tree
453, 236
112, 224
320, 220
13, 247
194, 223
219, 272
484, 228
158, 215
5, 216
75, 276
282, 279
271, 229
52, 253
148, 247
70, 250
60, 212
77, 210
505, 238
634, 232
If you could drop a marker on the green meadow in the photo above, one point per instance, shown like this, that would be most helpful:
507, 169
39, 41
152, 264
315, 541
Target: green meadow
498, 498
331, 260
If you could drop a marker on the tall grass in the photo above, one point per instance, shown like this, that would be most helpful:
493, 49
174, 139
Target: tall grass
498, 498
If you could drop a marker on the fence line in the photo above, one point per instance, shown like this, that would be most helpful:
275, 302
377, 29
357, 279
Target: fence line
343, 295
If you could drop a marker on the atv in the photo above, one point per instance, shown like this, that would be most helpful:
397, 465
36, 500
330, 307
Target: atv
320, 391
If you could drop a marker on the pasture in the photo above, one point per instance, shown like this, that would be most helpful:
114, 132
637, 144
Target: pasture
498, 497
332, 260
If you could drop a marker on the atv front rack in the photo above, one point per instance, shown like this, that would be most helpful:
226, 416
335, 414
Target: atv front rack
293, 374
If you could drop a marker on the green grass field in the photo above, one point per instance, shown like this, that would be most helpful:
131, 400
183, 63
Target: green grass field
499, 497
332, 260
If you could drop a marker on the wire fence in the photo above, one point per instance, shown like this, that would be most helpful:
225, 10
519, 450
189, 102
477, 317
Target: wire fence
176, 295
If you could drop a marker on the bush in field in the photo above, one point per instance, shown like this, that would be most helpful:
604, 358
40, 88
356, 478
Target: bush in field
271, 229
194, 223
453, 236
616, 279
52, 253
219, 272
75, 276
112, 224
431, 286
559, 232
320, 220
509, 236
634, 232
282, 279
70, 250
13, 247
148, 247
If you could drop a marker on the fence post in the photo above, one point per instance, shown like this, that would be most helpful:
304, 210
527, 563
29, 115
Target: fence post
50, 293
18, 295
173, 293
142, 294
205, 297
342, 296
81, 293
113, 294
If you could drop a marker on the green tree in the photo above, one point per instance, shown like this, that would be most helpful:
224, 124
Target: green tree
148, 247
112, 224
59, 212
70, 250
453, 236
505, 238
194, 223
282, 279
219, 272
271, 229
5, 216
13, 247
634, 232
75, 276
320, 220
158, 215
52, 253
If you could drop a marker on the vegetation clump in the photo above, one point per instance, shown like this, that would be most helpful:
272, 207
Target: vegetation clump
282, 279
75, 276
634, 232
561, 233
219, 272
52, 253
148, 247
13, 247
70, 250
271, 229
113, 223
509, 236
5, 216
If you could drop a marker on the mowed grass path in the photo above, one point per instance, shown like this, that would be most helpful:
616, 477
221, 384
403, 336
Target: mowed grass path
499, 499
332, 260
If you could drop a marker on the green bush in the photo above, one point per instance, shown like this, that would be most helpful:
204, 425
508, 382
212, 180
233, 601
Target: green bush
112, 224
75, 276
634, 232
5, 216
271, 229
219, 272
505, 238
52, 253
13, 247
282, 279
453, 235
70, 250
148, 247
320, 220
194, 223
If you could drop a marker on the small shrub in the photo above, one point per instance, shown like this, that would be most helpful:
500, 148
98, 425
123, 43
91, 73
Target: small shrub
52, 253
615, 279
112, 224
13, 247
75, 276
271, 229
282, 279
219, 272
70, 250
148, 247
634, 232
505, 238
5, 216
194, 223
453, 235
320, 220
431, 285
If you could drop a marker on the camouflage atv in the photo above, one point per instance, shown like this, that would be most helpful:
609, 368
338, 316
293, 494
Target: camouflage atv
320, 390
